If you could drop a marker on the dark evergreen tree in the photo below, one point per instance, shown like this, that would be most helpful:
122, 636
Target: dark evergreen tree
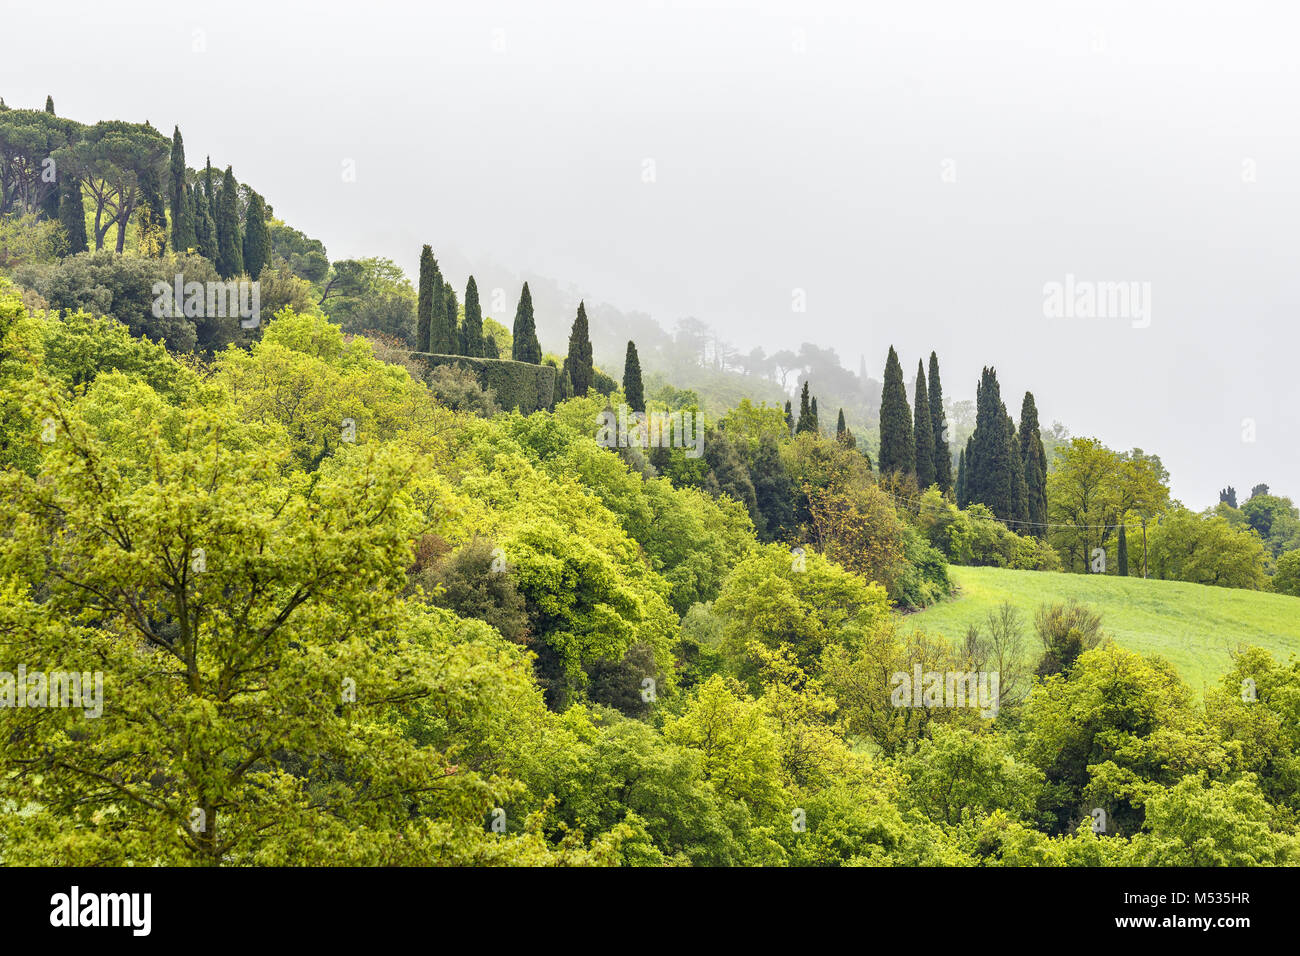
525, 347
580, 361
152, 215
816, 426
72, 214
939, 428
1034, 462
1019, 487
184, 235
1229, 496
897, 451
789, 417
1123, 552
473, 327
230, 248
257, 237
840, 427
1257, 490
49, 104
923, 431
438, 341
805, 412
451, 333
490, 348
962, 498
994, 472
633, 390
773, 490
205, 226
210, 189
424, 301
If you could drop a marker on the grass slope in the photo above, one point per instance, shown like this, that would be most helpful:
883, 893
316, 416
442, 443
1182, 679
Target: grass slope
1190, 625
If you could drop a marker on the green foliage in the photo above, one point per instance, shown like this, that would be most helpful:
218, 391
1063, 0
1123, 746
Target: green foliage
257, 239
472, 330
230, 246
1287, 578
579, 361
72, 215
524, 344
1206, 550
897, 451
939, 429
632, 387
371, 296
923, 432
518, 385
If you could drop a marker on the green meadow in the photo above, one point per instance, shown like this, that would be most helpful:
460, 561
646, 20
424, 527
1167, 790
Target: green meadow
1193, 626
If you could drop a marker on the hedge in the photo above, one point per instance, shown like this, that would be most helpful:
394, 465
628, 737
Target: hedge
520, 385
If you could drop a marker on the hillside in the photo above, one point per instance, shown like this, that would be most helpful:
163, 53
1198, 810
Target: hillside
1191, 625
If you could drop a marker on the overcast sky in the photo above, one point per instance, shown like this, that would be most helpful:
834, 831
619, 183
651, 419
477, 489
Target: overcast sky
920, 170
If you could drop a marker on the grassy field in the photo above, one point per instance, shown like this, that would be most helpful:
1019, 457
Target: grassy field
1192, 626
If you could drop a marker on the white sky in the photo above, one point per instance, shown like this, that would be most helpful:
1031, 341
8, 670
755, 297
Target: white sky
796, 145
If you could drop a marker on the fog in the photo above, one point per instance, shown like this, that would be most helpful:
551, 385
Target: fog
918, 173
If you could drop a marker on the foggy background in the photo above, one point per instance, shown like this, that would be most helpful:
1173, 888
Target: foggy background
919, 170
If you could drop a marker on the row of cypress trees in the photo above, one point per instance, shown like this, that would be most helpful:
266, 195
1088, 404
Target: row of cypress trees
205, 216
914, 439
1001, 466
439, 327
437, 331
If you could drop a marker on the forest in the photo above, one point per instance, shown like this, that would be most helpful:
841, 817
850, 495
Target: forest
359, 580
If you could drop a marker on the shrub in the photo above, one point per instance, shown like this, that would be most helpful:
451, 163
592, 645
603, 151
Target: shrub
521, 385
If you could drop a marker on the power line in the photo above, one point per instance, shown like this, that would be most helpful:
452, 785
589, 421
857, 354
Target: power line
1010, 521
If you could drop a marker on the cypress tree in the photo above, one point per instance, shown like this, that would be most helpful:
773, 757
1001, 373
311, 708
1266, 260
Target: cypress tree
490, 348
994, 473
526, 348
205, 227
816, 426
72, 214
451, 333
1034, 462
939, 428
962, 500
840, 427
50, 207
257, 238
1019, 489
923, 430
424, 302
580, 361
184, 235
230, 252
805, 411
632, 388
152, 214
897, 452
1123, 552
789, 417
473, 320
209, 188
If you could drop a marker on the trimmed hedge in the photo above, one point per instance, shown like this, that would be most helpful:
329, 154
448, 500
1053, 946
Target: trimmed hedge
520, 385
